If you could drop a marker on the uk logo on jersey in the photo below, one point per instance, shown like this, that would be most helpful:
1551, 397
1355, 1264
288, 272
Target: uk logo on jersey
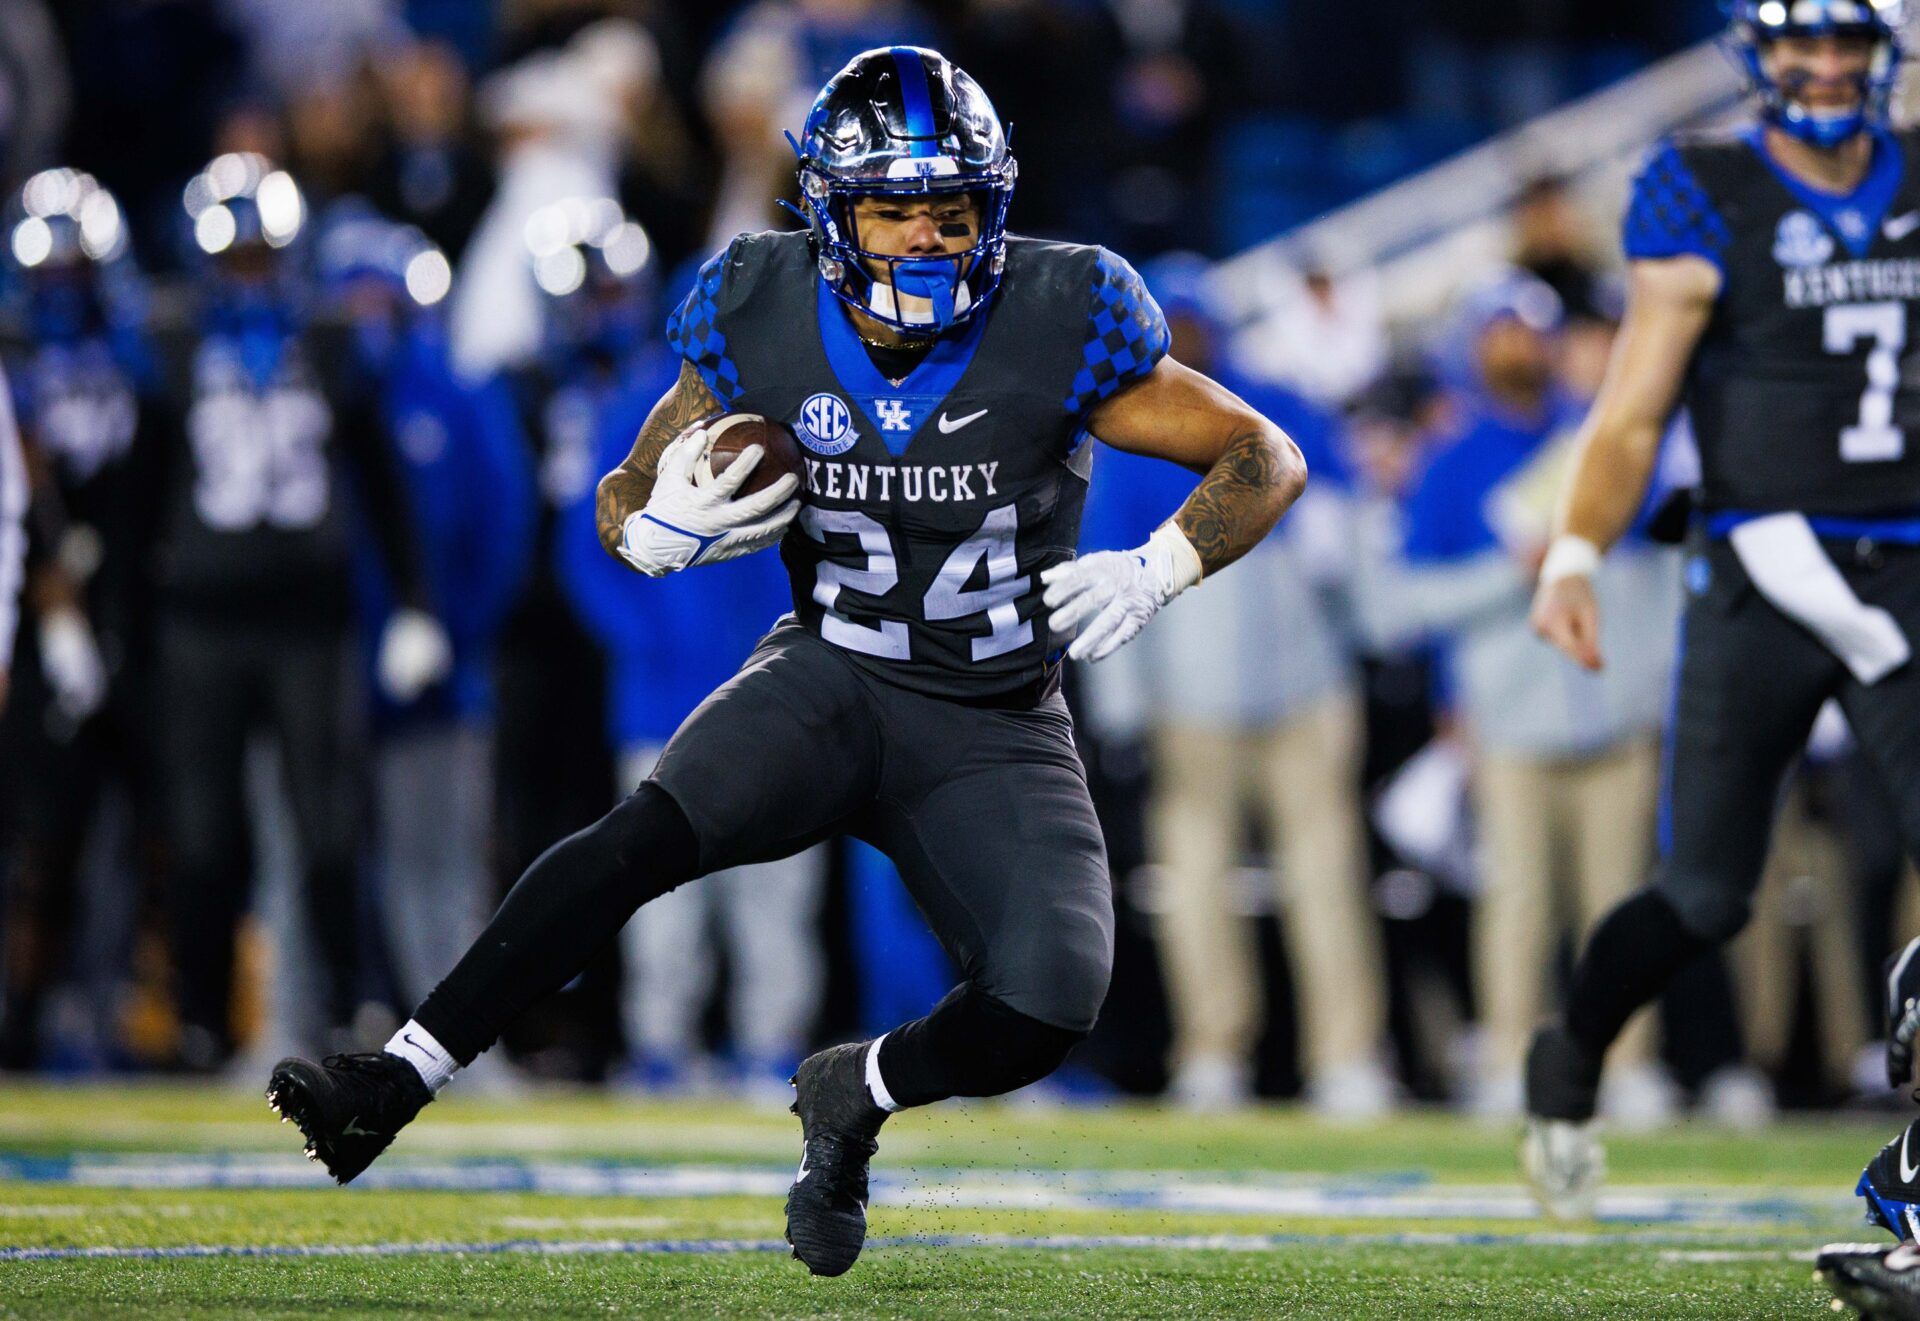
825, 425
1801, 240
893, 414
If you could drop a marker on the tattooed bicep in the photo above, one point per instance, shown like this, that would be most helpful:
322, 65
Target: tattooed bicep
679, 408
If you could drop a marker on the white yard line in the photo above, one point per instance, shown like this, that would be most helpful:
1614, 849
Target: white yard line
667, 1247
1408, 1199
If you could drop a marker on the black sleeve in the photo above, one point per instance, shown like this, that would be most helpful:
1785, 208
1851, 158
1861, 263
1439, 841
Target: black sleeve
369, 450
159, 459
361, 431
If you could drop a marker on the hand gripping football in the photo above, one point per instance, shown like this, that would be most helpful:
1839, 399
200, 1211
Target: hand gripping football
730, 433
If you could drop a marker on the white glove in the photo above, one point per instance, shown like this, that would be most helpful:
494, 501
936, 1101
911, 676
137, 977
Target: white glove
414, 654
685, 523
1119, 591
70, 659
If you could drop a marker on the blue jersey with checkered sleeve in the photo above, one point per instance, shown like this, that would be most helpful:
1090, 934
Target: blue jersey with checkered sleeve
930, 503
1804, 388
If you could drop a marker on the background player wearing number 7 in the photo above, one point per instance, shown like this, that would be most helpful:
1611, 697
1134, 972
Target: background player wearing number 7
1774, 286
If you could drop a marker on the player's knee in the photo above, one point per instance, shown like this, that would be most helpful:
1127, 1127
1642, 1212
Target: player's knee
1057, 971
647, 836
1714, 913
1081, 988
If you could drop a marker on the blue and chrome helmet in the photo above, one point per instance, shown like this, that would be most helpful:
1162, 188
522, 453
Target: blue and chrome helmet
242, 201
902, 121
68, 257
1755, 23
383, 278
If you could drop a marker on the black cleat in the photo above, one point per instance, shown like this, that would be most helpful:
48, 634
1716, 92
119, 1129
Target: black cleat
1882, 1283
349, 1107
827, 1205
1563, 1082
1891, 1185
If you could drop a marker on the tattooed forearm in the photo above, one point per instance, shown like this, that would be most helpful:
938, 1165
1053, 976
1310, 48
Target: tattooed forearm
1242, 496
626, 488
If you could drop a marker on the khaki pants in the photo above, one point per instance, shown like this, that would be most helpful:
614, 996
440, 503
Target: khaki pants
1543, 822
1304, 779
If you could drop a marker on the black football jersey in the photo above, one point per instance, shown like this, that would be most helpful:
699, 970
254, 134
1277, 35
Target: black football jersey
80, 406
1804, 392
929, 507
256, 522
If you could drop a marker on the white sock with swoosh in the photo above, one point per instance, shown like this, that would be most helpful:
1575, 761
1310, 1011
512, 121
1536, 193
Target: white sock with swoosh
430, 1059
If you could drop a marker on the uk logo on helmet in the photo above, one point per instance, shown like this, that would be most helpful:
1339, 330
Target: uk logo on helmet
825, 425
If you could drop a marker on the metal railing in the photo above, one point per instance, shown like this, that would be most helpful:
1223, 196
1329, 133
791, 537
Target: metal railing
1426, 235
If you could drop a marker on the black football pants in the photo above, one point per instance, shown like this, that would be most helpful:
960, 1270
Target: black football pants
219, 683
984, 810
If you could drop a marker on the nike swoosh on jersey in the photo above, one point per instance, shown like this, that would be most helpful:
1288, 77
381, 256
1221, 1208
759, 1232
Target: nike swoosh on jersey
1899, 227
949, 427
1907, 1172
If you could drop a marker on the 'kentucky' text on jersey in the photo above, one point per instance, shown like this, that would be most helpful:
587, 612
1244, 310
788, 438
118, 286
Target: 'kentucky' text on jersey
1805, 391
929, 507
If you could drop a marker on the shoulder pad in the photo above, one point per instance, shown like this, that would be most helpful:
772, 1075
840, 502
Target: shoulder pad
724, 283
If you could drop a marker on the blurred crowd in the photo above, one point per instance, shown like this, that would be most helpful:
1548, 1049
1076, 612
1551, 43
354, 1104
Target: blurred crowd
323, 319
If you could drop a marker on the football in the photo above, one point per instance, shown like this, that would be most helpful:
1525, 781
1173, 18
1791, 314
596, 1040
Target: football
732, 433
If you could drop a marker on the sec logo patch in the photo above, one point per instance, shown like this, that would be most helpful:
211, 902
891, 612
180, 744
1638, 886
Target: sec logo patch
1801, 240
825, 426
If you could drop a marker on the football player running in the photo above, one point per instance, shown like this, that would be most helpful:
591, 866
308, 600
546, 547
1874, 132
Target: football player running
1774, 280
944, 378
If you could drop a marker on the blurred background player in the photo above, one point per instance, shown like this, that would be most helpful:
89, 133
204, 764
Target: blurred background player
79, 738
1761, 295
254, 559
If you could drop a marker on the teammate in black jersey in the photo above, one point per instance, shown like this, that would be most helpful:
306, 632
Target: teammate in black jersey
944, 378
277, 455
1775, 281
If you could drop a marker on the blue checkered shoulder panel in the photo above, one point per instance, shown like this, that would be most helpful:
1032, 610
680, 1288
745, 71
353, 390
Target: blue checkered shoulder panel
1126, 334
694, 332
1670, 214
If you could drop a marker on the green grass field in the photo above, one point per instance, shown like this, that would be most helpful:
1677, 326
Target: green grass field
166, 1200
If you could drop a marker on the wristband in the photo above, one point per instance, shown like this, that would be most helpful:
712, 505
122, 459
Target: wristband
1179, 562
1569, 557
